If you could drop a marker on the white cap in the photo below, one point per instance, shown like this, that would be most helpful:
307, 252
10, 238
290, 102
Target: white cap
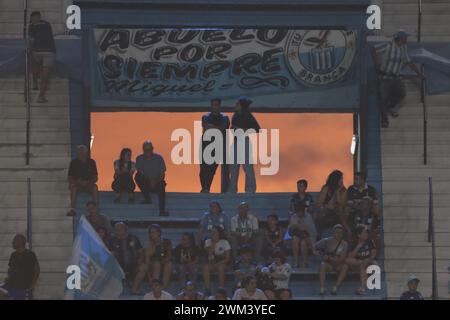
412, 277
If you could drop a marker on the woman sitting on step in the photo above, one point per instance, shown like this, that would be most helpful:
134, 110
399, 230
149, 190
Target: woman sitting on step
124, 170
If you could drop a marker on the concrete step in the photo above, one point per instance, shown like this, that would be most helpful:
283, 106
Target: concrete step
435, 149
440, 199
414, 239
389, 161
44, 226
417, 123
10, 97
417, 225
411, 187
37, 187
35, 137
52, 15
419, 172
33, 4
409, 136
410, 213
413, 265
36, 162
35, 173
17, 84
62, 149
39, 200
414, 252
38, 213
42, 124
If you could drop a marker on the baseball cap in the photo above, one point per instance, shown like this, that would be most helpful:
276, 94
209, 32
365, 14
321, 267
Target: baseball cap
412, 277
401, 34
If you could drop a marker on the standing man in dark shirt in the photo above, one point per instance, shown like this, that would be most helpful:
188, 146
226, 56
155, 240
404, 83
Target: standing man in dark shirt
43, 52
355, 194
412, 293
150, 175
243, 119
214, 120
23, 271
128, 251
82, 177
301, 197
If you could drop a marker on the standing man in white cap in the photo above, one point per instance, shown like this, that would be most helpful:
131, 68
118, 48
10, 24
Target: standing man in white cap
150, 175
389, 58
412, 293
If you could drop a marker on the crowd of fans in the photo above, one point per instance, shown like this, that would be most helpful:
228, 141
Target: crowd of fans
341, 227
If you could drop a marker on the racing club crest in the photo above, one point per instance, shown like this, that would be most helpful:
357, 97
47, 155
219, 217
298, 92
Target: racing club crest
320, 57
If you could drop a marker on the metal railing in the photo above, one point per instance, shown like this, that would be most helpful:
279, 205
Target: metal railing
29, 216
419, 21
432, 240
423, 87
27, 83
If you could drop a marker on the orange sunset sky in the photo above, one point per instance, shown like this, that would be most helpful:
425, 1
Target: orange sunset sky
311, 145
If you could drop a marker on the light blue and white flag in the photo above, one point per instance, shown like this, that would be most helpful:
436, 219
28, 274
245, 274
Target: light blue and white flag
101, 274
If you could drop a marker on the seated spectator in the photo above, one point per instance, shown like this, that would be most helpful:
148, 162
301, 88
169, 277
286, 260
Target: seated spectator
215, 217
280, 271
124, 170
218, 251
355, 194
302, 233
333, 251
301, 197
285, 294
245, 265
190, 292
365, 217
221, 294
128, 251
96, 219
273, 236
157, 293
103, 234
245, 230
361, 255
186, 256
249, 291
150, 176
412, 293
82, 177
264, 282
23, 271
331, 202
157, 258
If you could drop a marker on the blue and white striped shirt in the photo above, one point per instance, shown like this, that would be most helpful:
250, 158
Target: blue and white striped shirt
392, 58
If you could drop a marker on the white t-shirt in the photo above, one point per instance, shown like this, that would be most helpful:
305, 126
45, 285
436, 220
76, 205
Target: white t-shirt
284, 269
164, 296
220, 248
245, 227
242, 294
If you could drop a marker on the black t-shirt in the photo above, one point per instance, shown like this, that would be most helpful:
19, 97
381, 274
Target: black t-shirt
184, 255
369, 221
273, 235
42, 36
364, 251
307, 200
354, 194
408, 295
126, 252
245, 120
21, 268
162, 250
83, 170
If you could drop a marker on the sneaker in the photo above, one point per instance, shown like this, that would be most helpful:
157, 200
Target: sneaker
42, 100
35, 88
164, 214
360, 291
393, 114
334, 291
147, 201
204, 191
385, 123
71, 212
322, 291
